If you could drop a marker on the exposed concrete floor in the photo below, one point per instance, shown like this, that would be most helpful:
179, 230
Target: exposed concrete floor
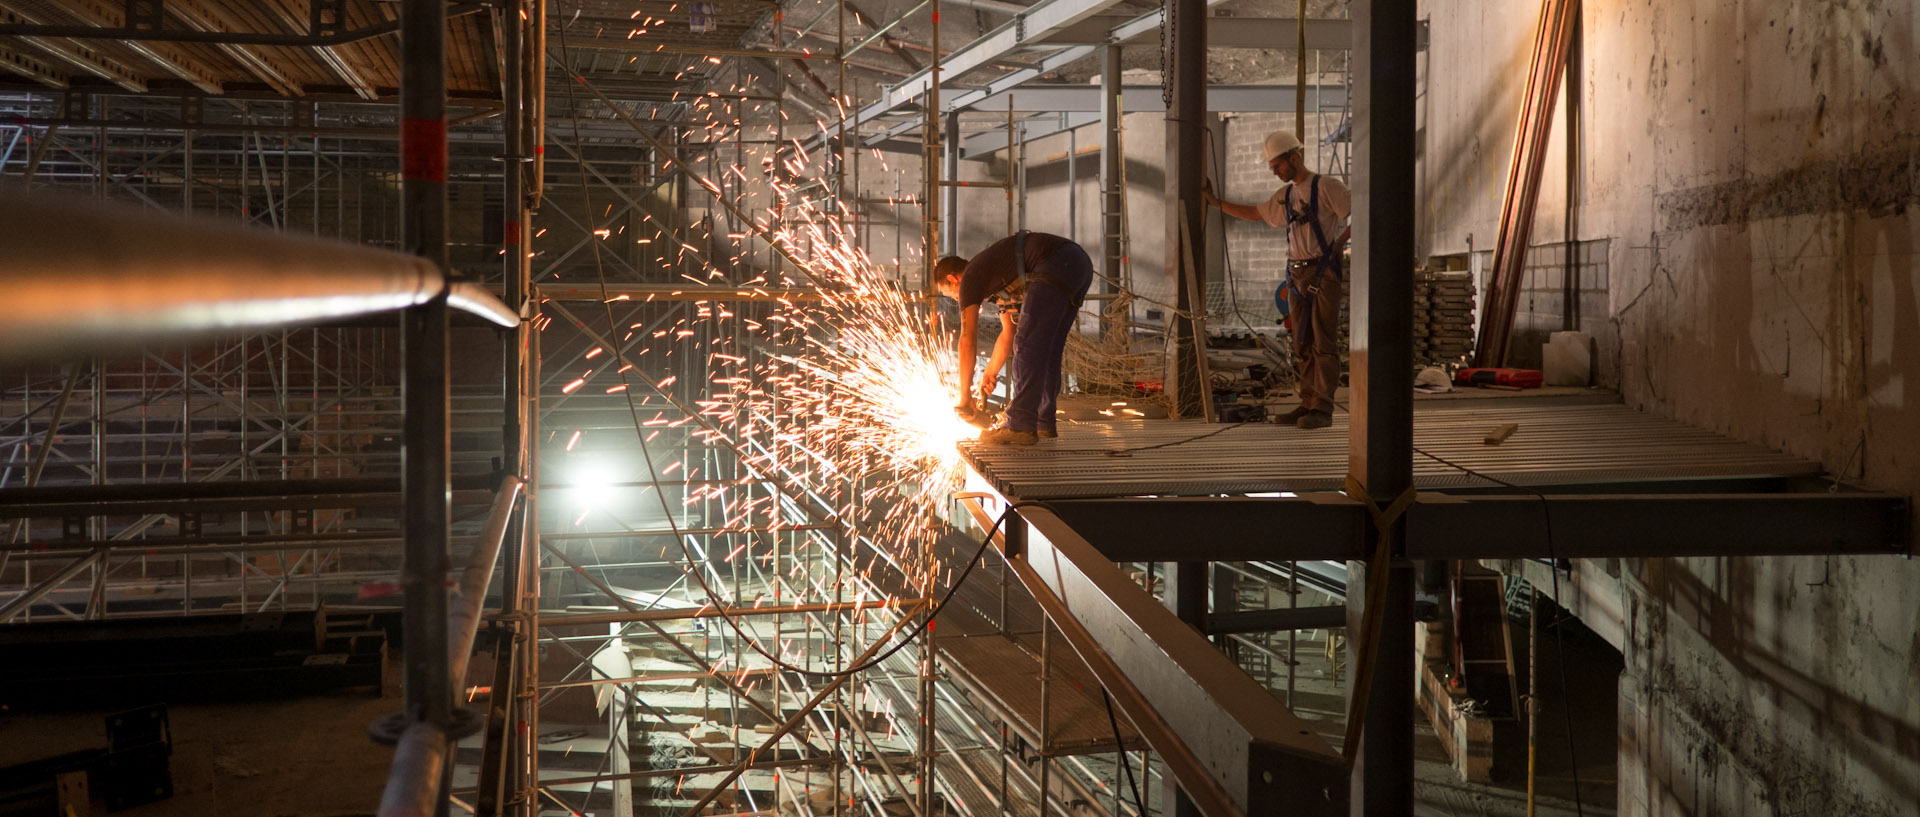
302, 757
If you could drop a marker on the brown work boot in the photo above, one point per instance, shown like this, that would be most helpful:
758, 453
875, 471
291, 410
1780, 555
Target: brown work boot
1047, 435
1293, 416
1007, 436
1314, 419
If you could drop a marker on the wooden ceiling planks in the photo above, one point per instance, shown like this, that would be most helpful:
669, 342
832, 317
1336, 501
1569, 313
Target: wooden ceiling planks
473, 61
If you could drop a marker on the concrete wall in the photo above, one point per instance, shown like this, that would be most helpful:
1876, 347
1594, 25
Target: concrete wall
1755, 167
1049, 194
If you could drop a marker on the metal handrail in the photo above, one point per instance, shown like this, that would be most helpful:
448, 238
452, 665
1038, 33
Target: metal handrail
464, 619
85, 276
420, 756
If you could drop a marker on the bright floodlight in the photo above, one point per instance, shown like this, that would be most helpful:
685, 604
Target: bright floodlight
593, 485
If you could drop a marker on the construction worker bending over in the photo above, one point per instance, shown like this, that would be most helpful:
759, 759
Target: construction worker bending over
1038, 281
1313, 208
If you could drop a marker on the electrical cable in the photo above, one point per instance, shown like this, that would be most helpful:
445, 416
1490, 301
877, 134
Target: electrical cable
1226, 249
1139, 803
927, 622
1559, 639
1124, 452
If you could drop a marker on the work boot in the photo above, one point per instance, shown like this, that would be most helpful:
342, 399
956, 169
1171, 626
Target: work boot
1293, 416
1315, 419
1046, 434
1007, 436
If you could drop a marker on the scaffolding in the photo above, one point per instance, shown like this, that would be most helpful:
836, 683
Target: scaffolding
651, 650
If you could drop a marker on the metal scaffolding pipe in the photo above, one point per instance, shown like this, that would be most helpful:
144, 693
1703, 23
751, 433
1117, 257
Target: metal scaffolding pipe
994, 6
709, 611
85, 276
26, 599
419, 761
466, 614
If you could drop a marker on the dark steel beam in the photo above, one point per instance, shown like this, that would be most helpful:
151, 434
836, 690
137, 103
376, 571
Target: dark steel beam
137, 493
216, 37
1517, 526
1147, 99
1232, 746
1495, 526
204, 506
1267, 621
1265, 33
1219, 529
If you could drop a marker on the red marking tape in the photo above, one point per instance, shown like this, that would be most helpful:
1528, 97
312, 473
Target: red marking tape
423, 150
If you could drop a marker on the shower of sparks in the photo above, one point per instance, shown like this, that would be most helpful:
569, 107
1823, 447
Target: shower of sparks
846, 403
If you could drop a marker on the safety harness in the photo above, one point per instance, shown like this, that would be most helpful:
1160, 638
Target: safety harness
1325, 261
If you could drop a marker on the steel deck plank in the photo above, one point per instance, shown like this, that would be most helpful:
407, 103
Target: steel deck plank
1555, 445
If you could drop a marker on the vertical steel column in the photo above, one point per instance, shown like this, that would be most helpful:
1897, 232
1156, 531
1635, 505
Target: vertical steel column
840, 134
1186, 256
1046, 714
950, 194
1221, 582
1112, 198
524, 801
536, 89
425, 457
930, 168
1073, 182
519, 558
1381, 438
514, 267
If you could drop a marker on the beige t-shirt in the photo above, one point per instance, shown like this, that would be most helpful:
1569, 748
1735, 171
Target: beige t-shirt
1336, 203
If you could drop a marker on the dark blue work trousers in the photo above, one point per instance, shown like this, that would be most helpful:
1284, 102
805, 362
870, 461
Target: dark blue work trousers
1054, 291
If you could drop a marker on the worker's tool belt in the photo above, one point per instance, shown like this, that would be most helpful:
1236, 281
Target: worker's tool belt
1309, 274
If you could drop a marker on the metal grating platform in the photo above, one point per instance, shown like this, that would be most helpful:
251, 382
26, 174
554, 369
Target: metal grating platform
1557, 443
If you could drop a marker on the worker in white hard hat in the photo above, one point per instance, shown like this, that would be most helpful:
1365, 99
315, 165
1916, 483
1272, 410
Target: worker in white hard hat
1314, 210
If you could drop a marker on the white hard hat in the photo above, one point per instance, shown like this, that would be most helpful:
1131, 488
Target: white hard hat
1278, 143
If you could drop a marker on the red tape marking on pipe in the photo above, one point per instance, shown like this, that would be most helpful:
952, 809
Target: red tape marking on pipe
423, 150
